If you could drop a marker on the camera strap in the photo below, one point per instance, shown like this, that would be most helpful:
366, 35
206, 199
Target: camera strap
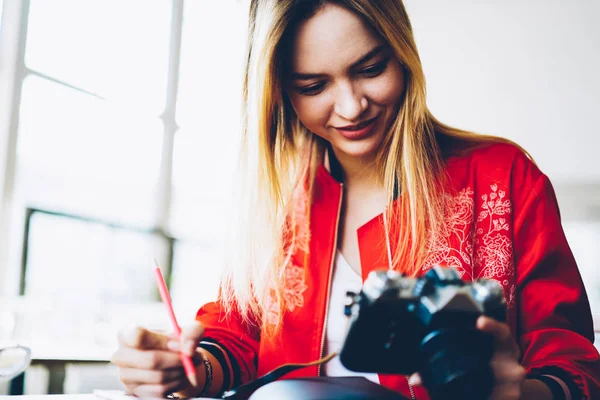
274, 375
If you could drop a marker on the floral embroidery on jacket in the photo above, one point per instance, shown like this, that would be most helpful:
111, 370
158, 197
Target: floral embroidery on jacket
478, 247
296, 243
295, 287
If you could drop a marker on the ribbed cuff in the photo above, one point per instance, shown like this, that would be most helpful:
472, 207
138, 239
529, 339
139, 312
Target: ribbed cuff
559, 389
554, 376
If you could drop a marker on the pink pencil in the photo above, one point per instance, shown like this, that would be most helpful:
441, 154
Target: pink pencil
186, 360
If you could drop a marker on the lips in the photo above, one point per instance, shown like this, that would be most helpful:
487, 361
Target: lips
358, 131
357, 126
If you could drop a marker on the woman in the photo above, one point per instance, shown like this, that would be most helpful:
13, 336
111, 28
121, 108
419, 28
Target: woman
343, 171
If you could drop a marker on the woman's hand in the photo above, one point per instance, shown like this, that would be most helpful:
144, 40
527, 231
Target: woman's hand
150, 363
508, 373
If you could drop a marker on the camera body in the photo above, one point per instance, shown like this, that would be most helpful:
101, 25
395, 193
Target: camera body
402, 325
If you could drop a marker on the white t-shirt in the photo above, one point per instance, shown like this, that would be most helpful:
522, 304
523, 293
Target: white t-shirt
344, 279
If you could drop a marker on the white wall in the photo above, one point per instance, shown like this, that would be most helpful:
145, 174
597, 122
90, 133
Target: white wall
528, 70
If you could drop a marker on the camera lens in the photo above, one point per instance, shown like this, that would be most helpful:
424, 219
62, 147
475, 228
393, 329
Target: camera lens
456, 364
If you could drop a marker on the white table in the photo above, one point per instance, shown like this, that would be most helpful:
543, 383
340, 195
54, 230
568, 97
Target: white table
53, 397
100, 395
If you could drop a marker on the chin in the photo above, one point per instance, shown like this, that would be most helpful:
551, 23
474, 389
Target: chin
360, 150
367, 148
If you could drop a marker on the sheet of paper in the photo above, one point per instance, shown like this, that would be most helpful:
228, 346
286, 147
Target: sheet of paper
121, 395
112, 395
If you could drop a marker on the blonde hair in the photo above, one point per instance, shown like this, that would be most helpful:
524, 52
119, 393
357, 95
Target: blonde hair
279, 157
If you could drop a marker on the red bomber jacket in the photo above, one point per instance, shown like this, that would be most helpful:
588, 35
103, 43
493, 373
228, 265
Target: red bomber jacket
502, 222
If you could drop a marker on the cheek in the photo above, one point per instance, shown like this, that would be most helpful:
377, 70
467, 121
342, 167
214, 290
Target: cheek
388, 89
311, 111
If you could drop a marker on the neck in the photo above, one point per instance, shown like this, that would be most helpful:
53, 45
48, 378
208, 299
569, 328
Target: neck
357, 172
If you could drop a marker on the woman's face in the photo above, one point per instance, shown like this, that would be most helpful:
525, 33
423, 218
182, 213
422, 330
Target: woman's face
345, 84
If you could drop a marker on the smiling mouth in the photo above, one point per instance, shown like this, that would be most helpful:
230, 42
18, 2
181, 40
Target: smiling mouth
359, 131
357, 127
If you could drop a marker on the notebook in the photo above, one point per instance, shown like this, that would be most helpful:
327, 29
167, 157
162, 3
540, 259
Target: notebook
121, 395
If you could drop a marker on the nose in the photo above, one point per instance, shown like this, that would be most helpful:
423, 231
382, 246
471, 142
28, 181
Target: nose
350, 102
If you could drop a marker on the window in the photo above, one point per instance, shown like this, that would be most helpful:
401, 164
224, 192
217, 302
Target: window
104, 263
208, 103
583, 237
126, 115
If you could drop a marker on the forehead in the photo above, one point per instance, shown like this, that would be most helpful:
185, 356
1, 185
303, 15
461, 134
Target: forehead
333, 38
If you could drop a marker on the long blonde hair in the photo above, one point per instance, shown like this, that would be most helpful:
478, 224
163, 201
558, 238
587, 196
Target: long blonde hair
279, 157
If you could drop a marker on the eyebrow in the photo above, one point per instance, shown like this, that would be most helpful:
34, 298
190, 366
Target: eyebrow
304, 76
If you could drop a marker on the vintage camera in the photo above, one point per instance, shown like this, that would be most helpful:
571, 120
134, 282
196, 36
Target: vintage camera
402, 325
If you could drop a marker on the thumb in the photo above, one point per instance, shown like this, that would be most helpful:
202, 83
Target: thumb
143, 339
190, 337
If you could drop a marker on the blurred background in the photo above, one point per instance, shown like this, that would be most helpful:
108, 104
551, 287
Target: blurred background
117, 119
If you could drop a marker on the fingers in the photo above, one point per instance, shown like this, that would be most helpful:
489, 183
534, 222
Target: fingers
126, 357
500, 330
135, 376
190, 337
509, 378
193, 332
508, 371
504, 341
143, 339
150, 362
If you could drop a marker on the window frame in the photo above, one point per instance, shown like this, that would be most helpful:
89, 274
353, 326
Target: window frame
13, 230
167, 269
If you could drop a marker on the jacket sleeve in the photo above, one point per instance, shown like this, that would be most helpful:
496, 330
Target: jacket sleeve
236, 340
554, 322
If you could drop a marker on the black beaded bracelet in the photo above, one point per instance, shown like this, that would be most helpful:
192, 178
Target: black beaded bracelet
218, 352
208, 375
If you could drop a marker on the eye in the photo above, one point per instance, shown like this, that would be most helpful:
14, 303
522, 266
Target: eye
375, 69
311, 90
